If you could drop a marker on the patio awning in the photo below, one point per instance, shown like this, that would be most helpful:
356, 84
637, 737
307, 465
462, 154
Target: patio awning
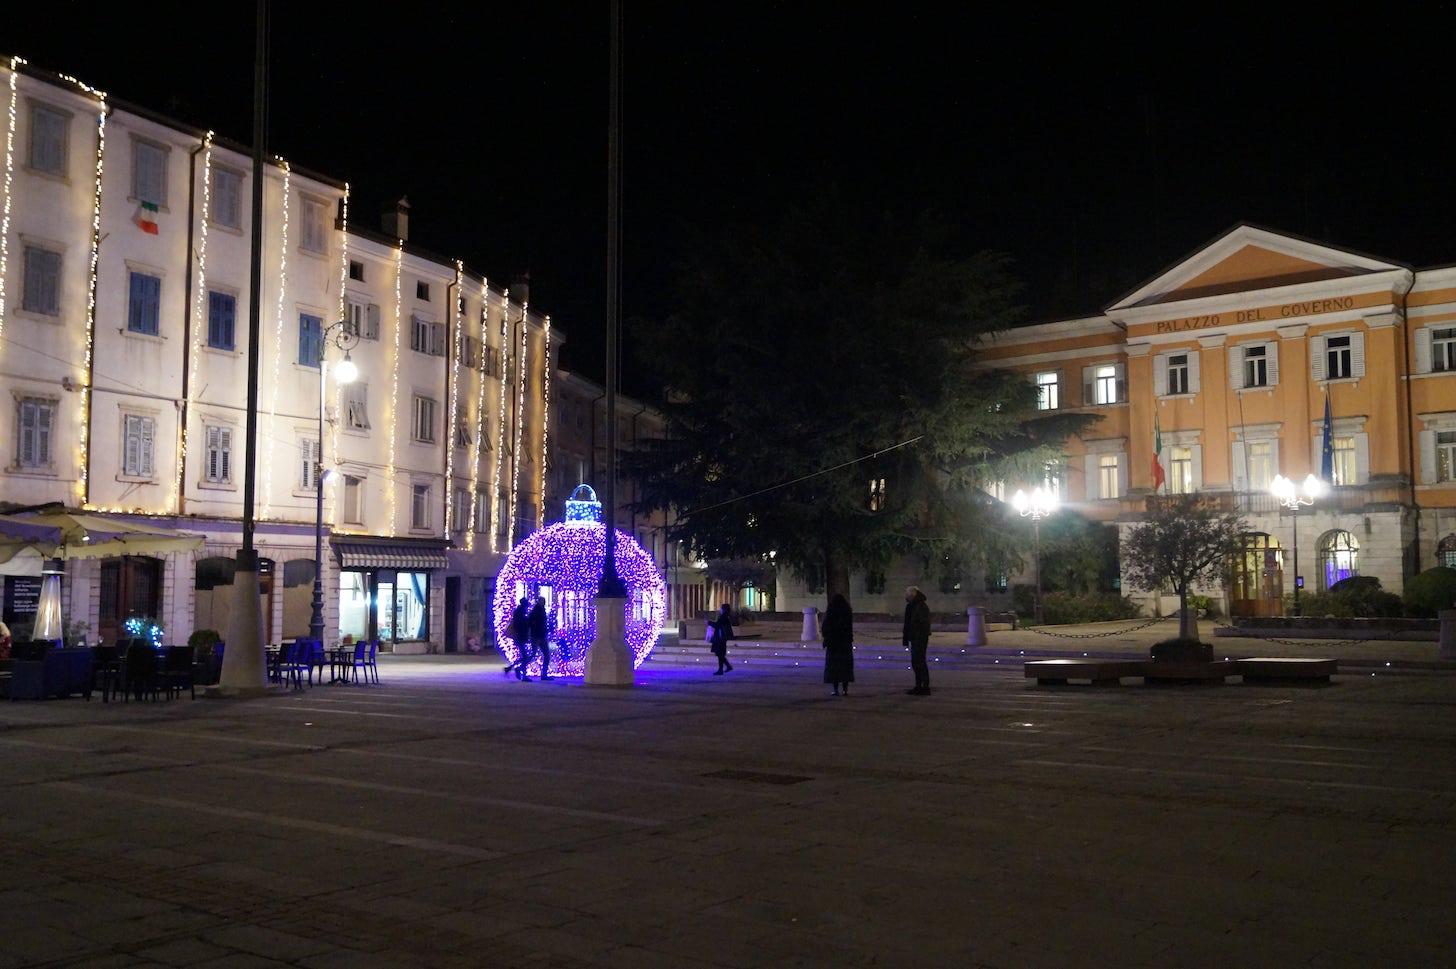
355, 553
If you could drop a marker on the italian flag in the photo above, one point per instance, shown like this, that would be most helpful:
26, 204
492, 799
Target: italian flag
146, 218
1158, 475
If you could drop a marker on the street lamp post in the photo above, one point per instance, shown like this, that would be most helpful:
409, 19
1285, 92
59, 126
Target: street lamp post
345, 373
1288, 496
1041, 503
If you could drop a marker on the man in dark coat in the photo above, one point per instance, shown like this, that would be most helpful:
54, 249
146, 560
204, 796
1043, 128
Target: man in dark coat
917, 637
541, 636
521, 633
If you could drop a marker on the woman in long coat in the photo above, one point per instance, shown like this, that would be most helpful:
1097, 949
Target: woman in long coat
722, 632
838, 632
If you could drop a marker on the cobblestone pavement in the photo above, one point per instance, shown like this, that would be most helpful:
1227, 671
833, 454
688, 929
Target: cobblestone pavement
454, 817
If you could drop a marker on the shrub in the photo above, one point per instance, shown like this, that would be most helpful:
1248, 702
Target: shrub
1065, 607
1431, 591
1358, 597
1023, 599
202, 639
1356, 582
1204, 606
1182, 651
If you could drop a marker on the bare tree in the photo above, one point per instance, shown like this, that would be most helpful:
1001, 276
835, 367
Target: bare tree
1185, 540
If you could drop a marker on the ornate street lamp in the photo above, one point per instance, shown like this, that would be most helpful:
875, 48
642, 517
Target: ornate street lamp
345, 373
1287, 495
1043, 502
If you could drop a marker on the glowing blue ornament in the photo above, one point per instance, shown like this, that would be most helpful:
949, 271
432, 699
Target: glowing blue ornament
563, 563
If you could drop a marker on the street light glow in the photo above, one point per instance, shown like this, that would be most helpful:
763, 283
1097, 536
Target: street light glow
346, 372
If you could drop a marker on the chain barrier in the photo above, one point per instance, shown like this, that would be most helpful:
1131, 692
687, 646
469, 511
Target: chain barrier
1143, 624
1312, 641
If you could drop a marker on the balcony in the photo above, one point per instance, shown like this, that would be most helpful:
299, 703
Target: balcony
1353, 499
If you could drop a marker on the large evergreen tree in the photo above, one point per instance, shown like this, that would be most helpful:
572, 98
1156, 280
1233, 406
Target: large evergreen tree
796, 352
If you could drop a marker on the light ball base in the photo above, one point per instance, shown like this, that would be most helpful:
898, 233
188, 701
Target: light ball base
609, 661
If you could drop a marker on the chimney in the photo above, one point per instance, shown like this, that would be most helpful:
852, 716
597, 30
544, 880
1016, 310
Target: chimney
521, 287
396, 219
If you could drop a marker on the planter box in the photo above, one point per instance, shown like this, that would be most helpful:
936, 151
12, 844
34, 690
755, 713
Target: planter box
1315, 627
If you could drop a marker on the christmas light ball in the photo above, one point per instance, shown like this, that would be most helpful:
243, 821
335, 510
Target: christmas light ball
563, 564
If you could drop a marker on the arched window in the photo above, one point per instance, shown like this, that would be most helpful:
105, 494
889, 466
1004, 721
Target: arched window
1446, 551
1338, 558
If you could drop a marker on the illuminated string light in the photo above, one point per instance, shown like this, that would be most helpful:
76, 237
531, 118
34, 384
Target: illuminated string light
545, 421
83, 477
278, 343
456, 308
566, 560
500, 441
520, 430
342, 315
479, 419
15, 63
394, 390
174, 501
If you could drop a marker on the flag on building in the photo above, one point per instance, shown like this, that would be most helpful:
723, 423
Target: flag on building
146, 218
1327, 445
1157, 450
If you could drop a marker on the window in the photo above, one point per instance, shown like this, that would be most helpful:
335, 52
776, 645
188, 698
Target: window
143, 303
996, 583
1109, 476
469, 354
1260, 455
1337, 358
1180, 470
997, 490
482, 512
314, 238
1256, 366
874, 583
42, 292
48, 129
420, 506
35, 420
356, 405
1446, 455
353, 500
877, 494
309, 458
1046, 391
371, 321
149, 173
356, 270
950, 581
1338, 558
424, 420
490, 364
222, 314
310, 340
227, 198
459, 510
138, 433
463, 437
1443, 349
1105, 385
422, 335
1054, 479
219, 454
1446, 552
1178, 373
422, 290
1344, 467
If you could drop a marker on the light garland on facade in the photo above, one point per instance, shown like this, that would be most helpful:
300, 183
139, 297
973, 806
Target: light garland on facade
342, 315
83, 475
479, 419
500, 441
520, 431
456, 309
278, 345
545, 422
174, 501
394, 389
15, 63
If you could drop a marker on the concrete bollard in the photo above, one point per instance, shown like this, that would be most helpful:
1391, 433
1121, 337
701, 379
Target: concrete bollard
682, 630
811, 625
975, 626
1448, 634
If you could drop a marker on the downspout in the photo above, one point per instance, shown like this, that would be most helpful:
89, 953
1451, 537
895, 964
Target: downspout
450, 351
1413, 439
187, 317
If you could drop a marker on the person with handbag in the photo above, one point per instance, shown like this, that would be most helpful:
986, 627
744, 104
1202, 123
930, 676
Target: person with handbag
722, 632
838, 633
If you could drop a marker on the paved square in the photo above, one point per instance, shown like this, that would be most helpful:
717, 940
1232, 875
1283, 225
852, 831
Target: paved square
454, 817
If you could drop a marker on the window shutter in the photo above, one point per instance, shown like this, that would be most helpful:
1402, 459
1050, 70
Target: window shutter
148, 433
1236, 367
1317, 357
1428, 457
1194, 356
34, 297
371, 322
1160, 375
45, 413
1357, 354
1121, 386
1093, 479
1271, 361
1197, 450
135, 299
1362, 458
225, 447
1122, 474
132, 456
1423, 350
1089, 388
1274, 456
1240, 466
212, 454
28, 420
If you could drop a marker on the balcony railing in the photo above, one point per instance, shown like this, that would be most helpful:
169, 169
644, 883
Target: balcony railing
1341, 500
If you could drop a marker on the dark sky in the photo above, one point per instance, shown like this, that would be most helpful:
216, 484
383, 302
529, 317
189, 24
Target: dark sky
1094, 148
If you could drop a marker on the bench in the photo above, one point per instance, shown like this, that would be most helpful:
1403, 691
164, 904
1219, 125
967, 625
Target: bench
1175, 671
1272, 669
1098, 671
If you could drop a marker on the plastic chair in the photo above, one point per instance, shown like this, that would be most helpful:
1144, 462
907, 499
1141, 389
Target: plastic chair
177, 671
374, 658
106, 668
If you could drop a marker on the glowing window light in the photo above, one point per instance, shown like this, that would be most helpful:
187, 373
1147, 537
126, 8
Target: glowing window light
278, 342
520, 431
563, 562
500, 441
83, 476
394, 391
545, 421
15, 63
457, 305
479, 419
174, 501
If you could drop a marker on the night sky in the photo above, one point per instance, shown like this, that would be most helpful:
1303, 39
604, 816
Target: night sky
1095, 151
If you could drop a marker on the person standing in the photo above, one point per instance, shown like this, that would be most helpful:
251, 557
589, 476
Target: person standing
917, 636
540, 636
838, 633
521, 633
722, 632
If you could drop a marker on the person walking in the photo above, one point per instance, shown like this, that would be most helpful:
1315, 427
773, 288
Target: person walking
917, 636
838, 633
722, 632
521, 633
541, 636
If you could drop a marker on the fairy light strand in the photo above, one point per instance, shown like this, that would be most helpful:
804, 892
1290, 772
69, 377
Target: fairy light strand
82, 478
500, 441
479, 419
342, 315
394, 390
199, 307
278, 340
15, 63
520, 430
456, 306
545, 421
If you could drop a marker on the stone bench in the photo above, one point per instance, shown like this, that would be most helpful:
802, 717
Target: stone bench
1175, 671
1097, 671
1271, 669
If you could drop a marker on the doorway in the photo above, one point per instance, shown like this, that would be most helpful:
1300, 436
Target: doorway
131, 586
452, 613
1258, 578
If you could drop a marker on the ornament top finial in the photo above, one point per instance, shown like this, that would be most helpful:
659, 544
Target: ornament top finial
583, 506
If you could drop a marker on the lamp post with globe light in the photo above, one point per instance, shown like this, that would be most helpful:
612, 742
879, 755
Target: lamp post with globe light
1041, 503
1291, 497
346, 372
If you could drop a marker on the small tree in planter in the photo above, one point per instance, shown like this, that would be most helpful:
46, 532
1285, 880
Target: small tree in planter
1184, 541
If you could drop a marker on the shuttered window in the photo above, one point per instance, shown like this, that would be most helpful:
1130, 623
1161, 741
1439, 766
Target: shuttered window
42, 290
48, 139
310, 340
309, 457
219, 454
139, 434
222, 315
144, 303
35, 422
227, 198
149, 172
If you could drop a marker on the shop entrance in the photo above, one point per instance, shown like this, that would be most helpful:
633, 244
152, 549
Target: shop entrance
393, 607
1258, 578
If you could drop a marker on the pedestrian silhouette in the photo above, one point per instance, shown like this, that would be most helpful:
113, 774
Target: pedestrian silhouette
838, 633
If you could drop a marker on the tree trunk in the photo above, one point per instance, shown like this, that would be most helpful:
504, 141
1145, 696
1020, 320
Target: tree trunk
1187, 622
836, 576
